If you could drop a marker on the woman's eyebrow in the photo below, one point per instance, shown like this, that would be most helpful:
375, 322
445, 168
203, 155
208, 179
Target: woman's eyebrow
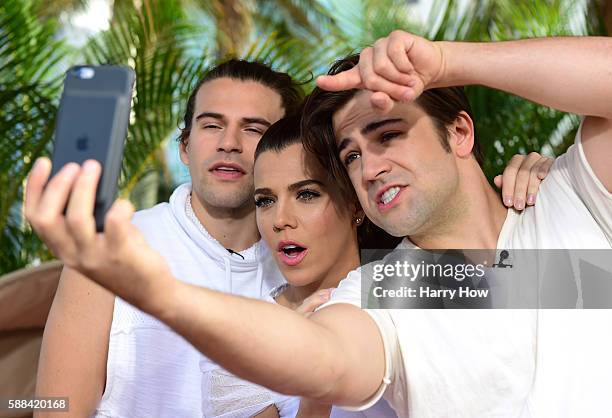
303, 183
262, 190
291, 187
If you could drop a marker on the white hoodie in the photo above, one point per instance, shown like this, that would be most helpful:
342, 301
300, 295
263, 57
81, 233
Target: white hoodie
151, 370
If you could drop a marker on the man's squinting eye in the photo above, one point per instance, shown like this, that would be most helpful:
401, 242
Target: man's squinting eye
255, 130
386, 136
263, 201
211, 126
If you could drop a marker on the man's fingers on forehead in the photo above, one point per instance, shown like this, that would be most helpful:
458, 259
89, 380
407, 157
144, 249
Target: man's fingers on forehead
345, 80
381, 102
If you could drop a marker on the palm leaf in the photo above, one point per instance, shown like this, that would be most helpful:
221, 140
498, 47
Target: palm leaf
30, 79
153, 40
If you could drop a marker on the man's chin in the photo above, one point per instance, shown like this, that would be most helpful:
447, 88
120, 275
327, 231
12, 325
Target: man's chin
394, 226
226, 197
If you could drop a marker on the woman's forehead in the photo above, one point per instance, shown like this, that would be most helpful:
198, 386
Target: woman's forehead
290, 164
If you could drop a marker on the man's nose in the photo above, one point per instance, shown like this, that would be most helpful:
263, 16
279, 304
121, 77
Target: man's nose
373, 165
230, 140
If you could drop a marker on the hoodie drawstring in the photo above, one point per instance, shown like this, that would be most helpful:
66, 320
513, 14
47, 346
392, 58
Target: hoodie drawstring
227, 261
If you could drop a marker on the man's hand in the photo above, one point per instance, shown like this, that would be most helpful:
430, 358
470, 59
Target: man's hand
118, 259
398, 67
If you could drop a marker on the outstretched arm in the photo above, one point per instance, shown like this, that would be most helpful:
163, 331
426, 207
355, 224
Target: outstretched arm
569, 74
320, 357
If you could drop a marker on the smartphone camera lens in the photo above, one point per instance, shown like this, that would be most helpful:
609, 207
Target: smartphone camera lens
84, 73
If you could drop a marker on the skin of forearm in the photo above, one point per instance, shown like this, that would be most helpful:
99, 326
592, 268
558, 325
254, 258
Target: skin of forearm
569, 74
242, 335
313, 409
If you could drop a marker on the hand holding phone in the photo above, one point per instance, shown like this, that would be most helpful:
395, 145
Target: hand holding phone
120, 258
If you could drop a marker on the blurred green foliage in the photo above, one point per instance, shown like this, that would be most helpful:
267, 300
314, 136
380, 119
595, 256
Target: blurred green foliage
170, 43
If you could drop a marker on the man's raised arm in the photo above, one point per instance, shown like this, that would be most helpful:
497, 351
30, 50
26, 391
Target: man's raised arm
570, 74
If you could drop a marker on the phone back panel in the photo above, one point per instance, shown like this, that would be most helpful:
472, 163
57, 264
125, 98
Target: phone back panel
92, 124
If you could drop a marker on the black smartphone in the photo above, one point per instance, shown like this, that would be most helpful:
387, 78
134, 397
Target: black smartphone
92, 123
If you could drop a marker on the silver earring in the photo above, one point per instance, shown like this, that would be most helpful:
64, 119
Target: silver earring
358, 221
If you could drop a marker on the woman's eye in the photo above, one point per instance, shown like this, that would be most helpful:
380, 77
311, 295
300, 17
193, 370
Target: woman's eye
307, 195
350, 157
262, 202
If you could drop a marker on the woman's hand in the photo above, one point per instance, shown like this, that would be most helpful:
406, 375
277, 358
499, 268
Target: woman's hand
521, 179
118, 259
313, 301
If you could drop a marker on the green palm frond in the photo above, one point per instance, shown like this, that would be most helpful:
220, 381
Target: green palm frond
151, 39
170, 44
28, 51
526, 19
509, 124
296, 18
361, 22
52, 9
30, 81
282, 54
454, 20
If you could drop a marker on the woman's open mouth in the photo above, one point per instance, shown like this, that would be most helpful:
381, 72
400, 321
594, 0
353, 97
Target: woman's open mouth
291, 253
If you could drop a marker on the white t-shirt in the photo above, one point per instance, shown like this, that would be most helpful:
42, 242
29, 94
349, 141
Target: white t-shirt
508, 363
151, 370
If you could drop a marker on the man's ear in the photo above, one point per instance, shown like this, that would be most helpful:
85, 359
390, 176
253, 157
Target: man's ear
183, 151
461, 135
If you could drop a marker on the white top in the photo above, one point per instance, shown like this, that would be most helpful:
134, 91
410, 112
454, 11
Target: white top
508, 363
151, 370
232, 397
